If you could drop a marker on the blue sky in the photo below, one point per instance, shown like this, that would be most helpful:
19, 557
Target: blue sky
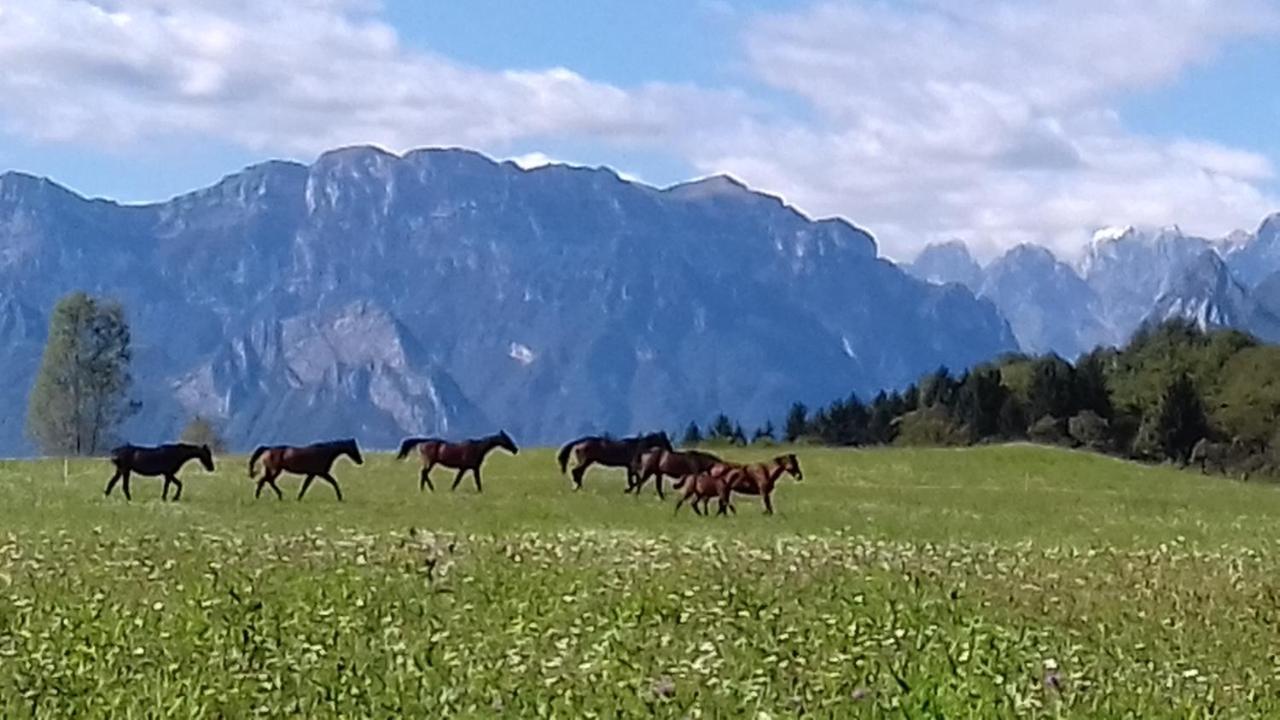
994, 121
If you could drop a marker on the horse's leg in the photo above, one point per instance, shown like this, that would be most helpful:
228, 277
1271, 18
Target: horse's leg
458, 478
127, 495
768, 503
271, 480
258, 493
475, 472
334, 482
111, 484
681, 502
657, 479
306, 483
424, 479
578, 472
164, 492
171, 478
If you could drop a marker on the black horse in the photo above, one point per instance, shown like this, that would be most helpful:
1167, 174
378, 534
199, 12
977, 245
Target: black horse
610, 452
163, 460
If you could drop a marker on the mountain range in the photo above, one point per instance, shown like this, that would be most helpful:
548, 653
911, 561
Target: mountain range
1126, 277
443, 293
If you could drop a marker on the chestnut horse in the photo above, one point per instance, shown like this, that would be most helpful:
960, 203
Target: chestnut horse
312, 461
662, 463
702, 487
461, 456
603, 450
757, 479
163, 460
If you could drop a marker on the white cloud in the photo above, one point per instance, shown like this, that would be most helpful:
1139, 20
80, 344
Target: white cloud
989, 120
296, 77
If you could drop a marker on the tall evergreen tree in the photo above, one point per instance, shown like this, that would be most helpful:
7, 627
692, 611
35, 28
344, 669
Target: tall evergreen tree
692, 435
1051, 392
80, 395
1091, 389
721, 428
1180, 418
797, 424
978, 402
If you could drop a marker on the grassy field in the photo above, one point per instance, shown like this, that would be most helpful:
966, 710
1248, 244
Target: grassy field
1001, 581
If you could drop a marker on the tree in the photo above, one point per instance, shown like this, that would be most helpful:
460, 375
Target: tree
1180, 420
938, 388
1011, 423
692, 435
721, 428
1091, 390
202, 431
1052, 388
739, 436
978, 402
80, 395
797, 423
763, 433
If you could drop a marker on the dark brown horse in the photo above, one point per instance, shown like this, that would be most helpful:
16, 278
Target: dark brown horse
461, 456
702, 487
660, 463
163, 461
607, 451
312, 461
757, 479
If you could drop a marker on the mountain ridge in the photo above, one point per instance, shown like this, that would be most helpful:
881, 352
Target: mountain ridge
549, 301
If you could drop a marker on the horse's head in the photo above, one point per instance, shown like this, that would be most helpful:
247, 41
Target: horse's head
505, 442
206, 457
351, 448
791, 465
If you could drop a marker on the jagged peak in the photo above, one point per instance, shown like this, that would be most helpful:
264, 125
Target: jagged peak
718, 185
1111, 233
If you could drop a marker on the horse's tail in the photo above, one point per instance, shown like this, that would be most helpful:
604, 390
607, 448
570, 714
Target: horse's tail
563, 455
679, 484
253, 459
117, 454
408, 445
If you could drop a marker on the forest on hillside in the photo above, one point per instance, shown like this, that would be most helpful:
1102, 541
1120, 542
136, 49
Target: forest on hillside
1174, 393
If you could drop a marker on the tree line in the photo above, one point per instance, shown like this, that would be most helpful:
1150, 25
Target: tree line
1174, 393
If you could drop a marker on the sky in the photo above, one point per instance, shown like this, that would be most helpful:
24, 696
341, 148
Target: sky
996, 122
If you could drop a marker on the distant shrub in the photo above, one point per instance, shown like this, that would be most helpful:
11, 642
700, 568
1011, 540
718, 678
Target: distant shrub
1090, 430
1048, 430
202, 431
930, 427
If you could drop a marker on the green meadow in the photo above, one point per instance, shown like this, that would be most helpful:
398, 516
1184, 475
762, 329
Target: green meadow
1007, 581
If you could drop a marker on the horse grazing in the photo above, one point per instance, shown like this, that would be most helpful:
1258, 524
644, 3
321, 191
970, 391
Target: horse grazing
463, 456
757, 479
596, 449
311, 461
701, 487
660, 463
163, 460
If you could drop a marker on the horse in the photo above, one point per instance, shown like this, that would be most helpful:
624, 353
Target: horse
757, 479
311, 461
662, 463
701, 486
162, 460
609, 452
461, 456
